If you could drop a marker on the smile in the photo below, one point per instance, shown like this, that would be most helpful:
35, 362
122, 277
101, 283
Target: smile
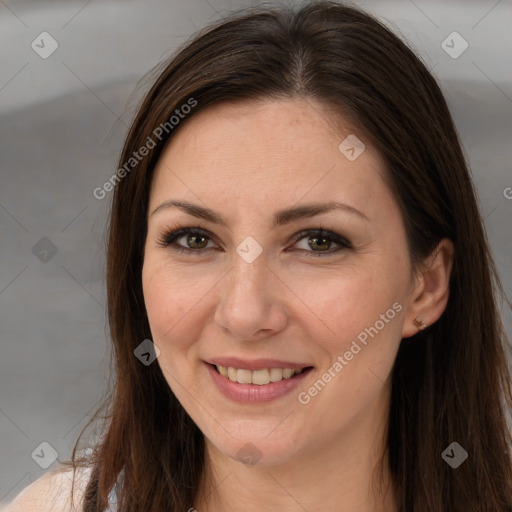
256, 386
258, 377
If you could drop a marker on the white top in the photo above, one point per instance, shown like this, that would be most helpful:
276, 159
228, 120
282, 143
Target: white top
52, 493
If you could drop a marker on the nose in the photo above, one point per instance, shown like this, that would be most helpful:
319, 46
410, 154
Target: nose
250, 306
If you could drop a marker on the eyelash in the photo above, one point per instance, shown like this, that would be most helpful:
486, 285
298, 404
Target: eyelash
168, 238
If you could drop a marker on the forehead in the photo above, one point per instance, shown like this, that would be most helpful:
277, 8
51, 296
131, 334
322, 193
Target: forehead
253, 154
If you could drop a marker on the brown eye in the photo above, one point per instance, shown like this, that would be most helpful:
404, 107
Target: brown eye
320, 241
195, 240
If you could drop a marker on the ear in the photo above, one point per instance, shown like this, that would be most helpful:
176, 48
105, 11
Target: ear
430, 294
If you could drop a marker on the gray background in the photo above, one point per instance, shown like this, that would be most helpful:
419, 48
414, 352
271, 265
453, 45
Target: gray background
63, 120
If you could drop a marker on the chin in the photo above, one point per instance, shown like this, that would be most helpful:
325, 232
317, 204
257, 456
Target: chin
256, 443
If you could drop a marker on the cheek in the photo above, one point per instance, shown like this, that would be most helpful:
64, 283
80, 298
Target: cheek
176, 303
169, 301
168, 296
365, 317
357, 329
169, 289
344, 304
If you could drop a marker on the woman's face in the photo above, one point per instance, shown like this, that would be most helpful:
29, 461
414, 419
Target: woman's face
258, 287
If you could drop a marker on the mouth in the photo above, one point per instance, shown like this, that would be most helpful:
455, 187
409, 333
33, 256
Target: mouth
260, 377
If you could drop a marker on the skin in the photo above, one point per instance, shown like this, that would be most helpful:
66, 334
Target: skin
246, 160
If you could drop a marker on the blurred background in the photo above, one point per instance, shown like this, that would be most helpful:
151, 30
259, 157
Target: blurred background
68, 91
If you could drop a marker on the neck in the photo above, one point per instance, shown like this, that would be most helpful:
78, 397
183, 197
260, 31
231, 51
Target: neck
347, 471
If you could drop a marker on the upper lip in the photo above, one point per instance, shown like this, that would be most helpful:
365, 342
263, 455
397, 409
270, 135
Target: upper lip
255, 364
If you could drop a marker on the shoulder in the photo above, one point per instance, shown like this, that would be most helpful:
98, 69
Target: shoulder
52, 492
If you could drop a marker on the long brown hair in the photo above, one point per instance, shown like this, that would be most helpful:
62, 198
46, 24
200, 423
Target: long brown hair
451, 382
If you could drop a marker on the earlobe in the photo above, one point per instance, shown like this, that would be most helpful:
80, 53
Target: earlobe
430, 296
420, 324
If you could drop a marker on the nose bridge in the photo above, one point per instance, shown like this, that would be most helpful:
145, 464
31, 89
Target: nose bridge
250, 267
247, 279
247, 303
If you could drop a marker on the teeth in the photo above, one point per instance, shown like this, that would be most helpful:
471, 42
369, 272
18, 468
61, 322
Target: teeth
259, 377
276, 374
243, 376
287, 373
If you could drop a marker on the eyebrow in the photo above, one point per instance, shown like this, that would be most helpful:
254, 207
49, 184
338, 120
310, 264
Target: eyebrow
281, 217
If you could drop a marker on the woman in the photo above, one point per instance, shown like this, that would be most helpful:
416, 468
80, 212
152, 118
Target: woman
302, 301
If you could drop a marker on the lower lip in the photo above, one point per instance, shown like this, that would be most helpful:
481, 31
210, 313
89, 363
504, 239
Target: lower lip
253, 393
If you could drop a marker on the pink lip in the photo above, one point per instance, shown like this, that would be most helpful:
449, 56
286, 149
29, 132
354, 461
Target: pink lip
252, 393
256, 364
